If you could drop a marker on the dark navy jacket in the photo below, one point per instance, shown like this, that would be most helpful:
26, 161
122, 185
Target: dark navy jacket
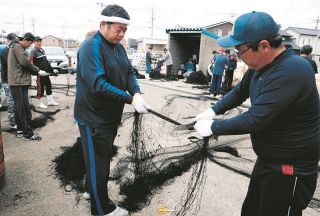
104, 74
284, 118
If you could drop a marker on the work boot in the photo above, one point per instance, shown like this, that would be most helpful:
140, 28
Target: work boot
51, 102
41, 104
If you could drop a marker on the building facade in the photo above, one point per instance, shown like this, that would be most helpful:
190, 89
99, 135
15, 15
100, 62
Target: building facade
303, 36
51, 40
187, 41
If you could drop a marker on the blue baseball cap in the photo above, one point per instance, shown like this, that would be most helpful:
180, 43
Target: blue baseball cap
250, 27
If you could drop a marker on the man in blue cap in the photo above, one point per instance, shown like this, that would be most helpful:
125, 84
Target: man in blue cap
283, 120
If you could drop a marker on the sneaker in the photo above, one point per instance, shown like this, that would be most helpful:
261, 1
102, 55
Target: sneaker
86, 195
19, 134
118, 212
13, 127
33, 137
42, 106
53, 103
217, 97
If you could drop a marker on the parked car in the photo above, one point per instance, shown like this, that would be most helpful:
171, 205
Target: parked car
57, 58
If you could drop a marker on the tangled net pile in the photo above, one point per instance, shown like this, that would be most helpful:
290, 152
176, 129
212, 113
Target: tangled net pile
158, 154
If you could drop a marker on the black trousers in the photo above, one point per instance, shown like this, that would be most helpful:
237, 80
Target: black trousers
43, 82
276, 194
228, 79
97, 146
22, 110
169, 69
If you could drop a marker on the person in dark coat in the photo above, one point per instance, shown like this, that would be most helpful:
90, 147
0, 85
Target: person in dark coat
228, 78
305, 52
19, 79
11, 38
148, 61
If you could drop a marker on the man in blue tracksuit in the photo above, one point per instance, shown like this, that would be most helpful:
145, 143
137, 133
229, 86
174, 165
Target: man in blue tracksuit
104, 75
283, 120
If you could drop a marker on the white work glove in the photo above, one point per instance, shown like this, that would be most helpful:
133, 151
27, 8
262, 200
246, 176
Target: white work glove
208, 114
139, 104
203, 127
42, 73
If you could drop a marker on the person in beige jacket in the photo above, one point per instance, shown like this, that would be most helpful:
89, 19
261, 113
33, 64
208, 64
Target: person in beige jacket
19, 79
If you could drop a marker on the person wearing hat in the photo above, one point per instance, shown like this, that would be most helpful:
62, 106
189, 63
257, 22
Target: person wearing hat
283, 120
305, 52
19, 79
11, 38
39, 59
105, 83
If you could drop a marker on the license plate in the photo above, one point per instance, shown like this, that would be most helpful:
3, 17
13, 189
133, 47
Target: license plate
54, 64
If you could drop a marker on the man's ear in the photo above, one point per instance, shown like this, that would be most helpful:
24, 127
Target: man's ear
102, 23
264, 44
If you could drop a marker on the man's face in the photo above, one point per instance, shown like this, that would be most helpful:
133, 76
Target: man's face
254, 59
26, 43
114, 32
37, 44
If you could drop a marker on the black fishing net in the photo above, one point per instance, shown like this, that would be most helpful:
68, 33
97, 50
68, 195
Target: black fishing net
157, 154
197, 77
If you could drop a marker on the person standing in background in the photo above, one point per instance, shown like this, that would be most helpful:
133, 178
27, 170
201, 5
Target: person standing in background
19, 79
39, 59
11, 38
148, 61
221, 63
228, 78
168, 61
305, 52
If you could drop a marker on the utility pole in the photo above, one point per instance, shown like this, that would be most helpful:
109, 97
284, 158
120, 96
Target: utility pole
317, 22
33, 26
22, 24
317, 38
64, 36
152, 20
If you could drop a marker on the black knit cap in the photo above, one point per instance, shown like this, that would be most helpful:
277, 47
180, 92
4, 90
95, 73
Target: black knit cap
116, 11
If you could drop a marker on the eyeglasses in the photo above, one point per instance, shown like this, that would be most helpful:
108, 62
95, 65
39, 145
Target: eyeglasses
239, 54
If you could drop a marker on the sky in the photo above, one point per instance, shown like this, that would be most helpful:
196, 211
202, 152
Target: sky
73, 18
